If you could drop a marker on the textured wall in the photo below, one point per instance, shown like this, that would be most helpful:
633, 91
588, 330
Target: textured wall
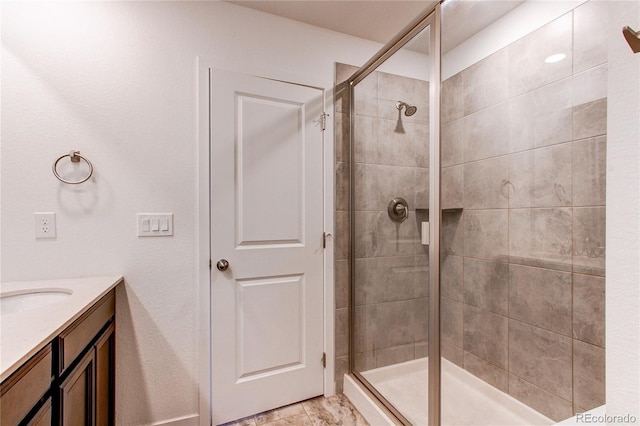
524, 152
118, 80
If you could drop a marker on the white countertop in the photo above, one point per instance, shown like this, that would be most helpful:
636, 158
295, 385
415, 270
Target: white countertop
23, 334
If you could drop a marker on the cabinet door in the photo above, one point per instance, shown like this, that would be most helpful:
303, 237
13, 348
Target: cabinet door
76, 394
43, 416
105, 377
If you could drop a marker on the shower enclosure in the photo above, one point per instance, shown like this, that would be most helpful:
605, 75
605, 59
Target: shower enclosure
471, 179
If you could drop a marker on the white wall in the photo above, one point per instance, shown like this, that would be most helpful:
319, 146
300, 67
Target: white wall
118, 81
623, 217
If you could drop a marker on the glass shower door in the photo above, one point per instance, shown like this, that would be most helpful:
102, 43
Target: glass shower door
391, 127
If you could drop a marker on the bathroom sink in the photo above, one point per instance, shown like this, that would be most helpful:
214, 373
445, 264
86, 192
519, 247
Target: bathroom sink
23, 300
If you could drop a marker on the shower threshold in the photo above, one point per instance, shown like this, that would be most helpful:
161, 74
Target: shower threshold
466, 400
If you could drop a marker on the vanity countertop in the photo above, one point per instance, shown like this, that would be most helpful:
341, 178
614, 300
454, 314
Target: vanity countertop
23, 334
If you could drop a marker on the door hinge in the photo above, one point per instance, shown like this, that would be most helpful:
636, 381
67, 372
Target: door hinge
210, 264
324, 360
325, 235
323, 121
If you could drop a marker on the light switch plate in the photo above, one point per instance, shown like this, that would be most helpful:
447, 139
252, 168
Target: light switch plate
155, 224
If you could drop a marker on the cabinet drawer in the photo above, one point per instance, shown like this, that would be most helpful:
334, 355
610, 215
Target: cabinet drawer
79, 334
25, 387
43, 416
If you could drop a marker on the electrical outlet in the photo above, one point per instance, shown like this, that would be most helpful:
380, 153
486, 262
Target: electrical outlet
45, 225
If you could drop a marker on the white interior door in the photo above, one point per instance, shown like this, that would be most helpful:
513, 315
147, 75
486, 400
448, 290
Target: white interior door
267, 222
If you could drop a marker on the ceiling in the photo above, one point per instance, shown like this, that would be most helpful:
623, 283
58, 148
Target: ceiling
381, 20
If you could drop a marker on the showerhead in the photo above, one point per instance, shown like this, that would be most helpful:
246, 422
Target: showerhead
409, 110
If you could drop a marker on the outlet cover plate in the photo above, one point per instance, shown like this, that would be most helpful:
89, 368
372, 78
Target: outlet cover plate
45, 225
155, 224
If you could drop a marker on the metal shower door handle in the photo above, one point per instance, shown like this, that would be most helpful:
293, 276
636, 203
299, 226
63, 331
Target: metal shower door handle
222, 265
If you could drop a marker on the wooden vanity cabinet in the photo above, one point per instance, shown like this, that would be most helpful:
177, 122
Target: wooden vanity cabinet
71, 381
23, 391
86, 389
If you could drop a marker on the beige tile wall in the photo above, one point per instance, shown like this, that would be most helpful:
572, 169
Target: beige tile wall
522, 277
523, 265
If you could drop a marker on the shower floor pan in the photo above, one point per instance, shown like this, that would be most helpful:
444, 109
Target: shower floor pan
466, 400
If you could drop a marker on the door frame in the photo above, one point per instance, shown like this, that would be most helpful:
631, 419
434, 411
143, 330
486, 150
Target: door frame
203, 228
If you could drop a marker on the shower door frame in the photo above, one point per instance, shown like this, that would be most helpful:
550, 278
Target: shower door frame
430, 18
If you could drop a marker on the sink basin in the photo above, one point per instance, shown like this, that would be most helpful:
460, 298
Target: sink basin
23, 300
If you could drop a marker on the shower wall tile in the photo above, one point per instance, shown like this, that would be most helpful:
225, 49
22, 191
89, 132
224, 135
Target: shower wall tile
541, 117
451, 277
452, 353
342, 368
452, 187
342, 284
496, 377
590, 119
344, 71
341, 124
364, 361
377, 235
541, 297
422, 189
386, 279
541, 237
452, 99
407, 318
377, 185
486, 335
590, 47
483, 82
342, 186
366, 94
485, 183
541, 357
451, 143
342, 235
341, 98
589, 309
452, 233
589, 240
545, 402
394, 355
589, 375
393, 88
422, 349
484, 133
365, 328
589, 171
590, 86
397, 144
486, 285
553, 176
527, 69
366, 139
451, 321
522, 181
486, 234
342, 332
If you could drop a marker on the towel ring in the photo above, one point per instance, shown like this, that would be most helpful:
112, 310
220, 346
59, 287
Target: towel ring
75, 157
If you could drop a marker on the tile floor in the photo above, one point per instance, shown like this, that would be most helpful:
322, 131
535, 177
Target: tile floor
320, 411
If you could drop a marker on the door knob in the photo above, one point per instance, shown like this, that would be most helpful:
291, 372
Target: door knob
222, 265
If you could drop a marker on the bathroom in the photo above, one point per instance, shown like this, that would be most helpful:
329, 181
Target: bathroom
121, 83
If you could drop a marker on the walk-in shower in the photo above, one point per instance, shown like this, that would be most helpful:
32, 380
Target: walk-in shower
480, 299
